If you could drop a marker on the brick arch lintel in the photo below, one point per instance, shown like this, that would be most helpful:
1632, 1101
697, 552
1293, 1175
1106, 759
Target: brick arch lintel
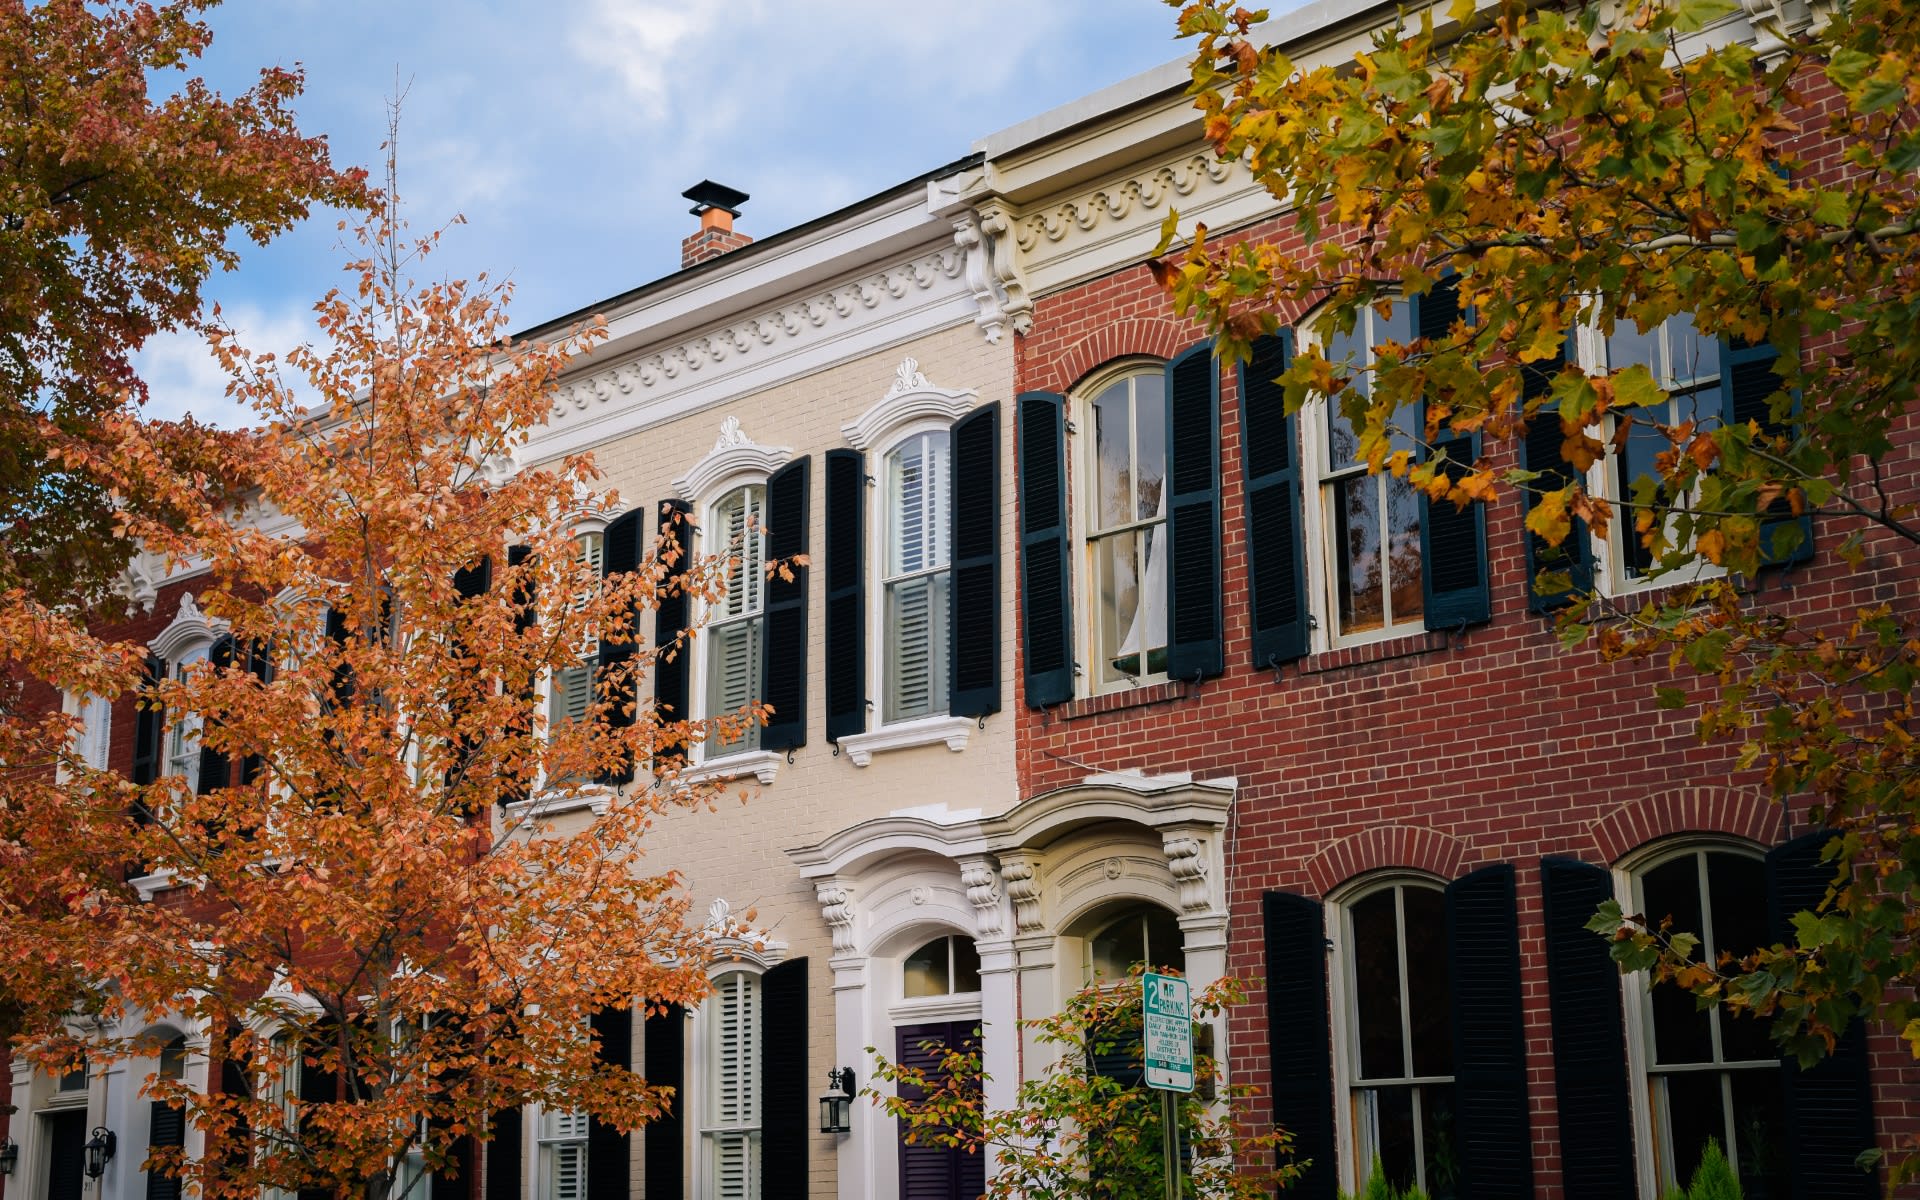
1161, 337
1385, 847
1710, 808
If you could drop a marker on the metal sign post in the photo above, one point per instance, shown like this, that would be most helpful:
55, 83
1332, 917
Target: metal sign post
1167, 1043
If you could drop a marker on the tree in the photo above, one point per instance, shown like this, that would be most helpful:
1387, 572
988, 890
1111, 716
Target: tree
1564, 169
354, 906
115, 207
1086, 1126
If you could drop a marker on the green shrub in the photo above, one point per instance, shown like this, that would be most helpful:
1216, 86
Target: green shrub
1713, 1179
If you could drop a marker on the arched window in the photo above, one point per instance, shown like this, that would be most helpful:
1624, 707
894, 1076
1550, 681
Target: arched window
736, 529
1711, 1074
942, 967
1123, 522
1140, 933
1399, 1037
915, 573
1369, 524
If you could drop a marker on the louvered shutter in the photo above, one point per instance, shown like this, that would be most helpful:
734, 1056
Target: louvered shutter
570, 1159
664, 1137
214, 764
930, 1172
504, 1156
149, 729
1276, 551
166, 1126
1453, 541
1046, 594
66, 1154
608, 1159
973, 629
670, 614
1829, 1106
783, 648
526, 616
736, 1095
1747, 382
260, 664
454, 1181
1195, 646
787, 1112
1489, 1051
1299, 1036
1542, 451
620, 554
918, 567
846, 622
316, 1084
1589, 1044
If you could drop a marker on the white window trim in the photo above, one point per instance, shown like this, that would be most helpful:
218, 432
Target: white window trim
1322, 577
1609, 578
1634, 989
904, 735
1081, 472
700, 1065
1341, 989
878, 525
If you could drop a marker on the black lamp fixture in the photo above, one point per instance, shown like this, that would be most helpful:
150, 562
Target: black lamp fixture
9, 1155
836, 1106
100, 1148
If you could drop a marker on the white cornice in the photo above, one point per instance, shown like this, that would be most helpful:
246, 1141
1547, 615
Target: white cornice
911, 398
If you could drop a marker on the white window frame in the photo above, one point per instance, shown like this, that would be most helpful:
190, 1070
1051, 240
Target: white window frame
880, 530
1343, 996
1637, 1005
702, 1098
1083, 473
1318, 527
701, 703
1609, 561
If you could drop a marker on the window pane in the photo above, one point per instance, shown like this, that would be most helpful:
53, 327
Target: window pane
567, 1171
1348, 354
738, 528
173, 1059
1166, 945
1383, 1118
1635, 461
1356, 550
1116, 582
926, 970
570, 695
1439, 1145
1691, 1109
1150, 443
1693, 356
1760, 1134
966, 965
733, 678
1627, 346
1680, 1030
1404, 562
1430, 1007
1113, 475
917, 504
917, 616
735, 1166
1737, 891
1376, 985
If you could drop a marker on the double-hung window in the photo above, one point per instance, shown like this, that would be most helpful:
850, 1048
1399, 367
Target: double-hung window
1124, 521
183, 731
1369, 549
570, 694
730, 1126
735, 622
915, 578
562, 1138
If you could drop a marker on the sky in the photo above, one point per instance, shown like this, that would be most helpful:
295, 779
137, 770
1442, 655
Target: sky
564, 132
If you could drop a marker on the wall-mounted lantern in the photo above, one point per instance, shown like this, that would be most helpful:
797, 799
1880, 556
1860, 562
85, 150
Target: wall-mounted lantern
836, 1106
100, 1148
9, 1155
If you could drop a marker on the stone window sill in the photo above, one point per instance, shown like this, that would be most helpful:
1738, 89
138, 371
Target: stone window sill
903, 735
763, 765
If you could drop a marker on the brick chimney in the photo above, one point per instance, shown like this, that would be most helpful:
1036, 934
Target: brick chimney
716, 205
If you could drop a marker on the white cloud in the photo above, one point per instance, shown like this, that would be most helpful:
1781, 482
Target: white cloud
653, 48
183, 378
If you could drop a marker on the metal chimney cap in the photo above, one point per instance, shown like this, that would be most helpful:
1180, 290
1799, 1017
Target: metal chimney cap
707, 194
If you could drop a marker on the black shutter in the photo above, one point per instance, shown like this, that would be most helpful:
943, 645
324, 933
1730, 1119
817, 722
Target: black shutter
1276, 551
66, 1154
1300, 1038
455, 1180
664, 1136
503, 1156
526, 616
1453, 541
930, 1172
846, 625
1489, 1051
149, 726
1195, 648
670, 616
1541, 451
620, 555
1829, 1106
1747, 380
608, 1160
214, 764
783, 649
1589, 1045
786, 1102
166, 1126
260, 663
973, 627
341, 685
1046, 595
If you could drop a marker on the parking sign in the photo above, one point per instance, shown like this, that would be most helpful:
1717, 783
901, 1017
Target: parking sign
1168, 1032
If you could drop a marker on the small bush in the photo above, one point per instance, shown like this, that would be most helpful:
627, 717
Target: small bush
1713, 1179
